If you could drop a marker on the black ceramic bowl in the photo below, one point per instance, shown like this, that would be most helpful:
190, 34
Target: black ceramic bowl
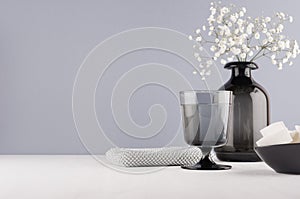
283, 158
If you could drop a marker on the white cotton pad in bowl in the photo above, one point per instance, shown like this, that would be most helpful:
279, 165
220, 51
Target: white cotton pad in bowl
297, 127
279, 137
272, 128
295, 136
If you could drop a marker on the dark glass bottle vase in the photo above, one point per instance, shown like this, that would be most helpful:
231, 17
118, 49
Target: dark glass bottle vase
250, 114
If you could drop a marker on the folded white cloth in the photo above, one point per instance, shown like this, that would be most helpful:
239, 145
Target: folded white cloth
167, 156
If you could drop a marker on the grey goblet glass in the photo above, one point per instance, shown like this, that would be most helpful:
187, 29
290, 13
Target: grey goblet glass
205, 116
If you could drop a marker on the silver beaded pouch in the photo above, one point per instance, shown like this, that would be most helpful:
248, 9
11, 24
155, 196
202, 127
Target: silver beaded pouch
145, 157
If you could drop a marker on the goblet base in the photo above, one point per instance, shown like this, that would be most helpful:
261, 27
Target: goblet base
206, 163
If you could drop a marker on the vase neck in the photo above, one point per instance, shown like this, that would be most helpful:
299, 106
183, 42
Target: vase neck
241, 72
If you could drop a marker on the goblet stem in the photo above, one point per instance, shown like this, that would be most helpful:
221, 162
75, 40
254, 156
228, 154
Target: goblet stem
205, 151
206, 161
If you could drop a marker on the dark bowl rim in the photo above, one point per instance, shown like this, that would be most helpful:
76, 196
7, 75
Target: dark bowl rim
276, 145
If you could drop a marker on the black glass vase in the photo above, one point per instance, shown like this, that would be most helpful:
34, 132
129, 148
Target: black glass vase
250, 114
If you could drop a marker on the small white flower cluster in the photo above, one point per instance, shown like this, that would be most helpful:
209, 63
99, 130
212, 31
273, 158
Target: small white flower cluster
232, 36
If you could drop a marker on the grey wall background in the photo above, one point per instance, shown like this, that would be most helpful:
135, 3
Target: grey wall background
43, 43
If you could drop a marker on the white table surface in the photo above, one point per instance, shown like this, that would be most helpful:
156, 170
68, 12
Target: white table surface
82, 177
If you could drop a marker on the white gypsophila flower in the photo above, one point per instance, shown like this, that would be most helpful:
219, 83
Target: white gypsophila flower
235, 51
213, 48
287, 44
273, 56
241, 13
209, 62
279, 28
207, 73
267, 19
280, 66
198, 38
243, 55
281, 45
230, 59
249, 28
230, 35
265, 41
274, 48
244, 9
233, 18
217, 54
270, 39
223, 61
264, 30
